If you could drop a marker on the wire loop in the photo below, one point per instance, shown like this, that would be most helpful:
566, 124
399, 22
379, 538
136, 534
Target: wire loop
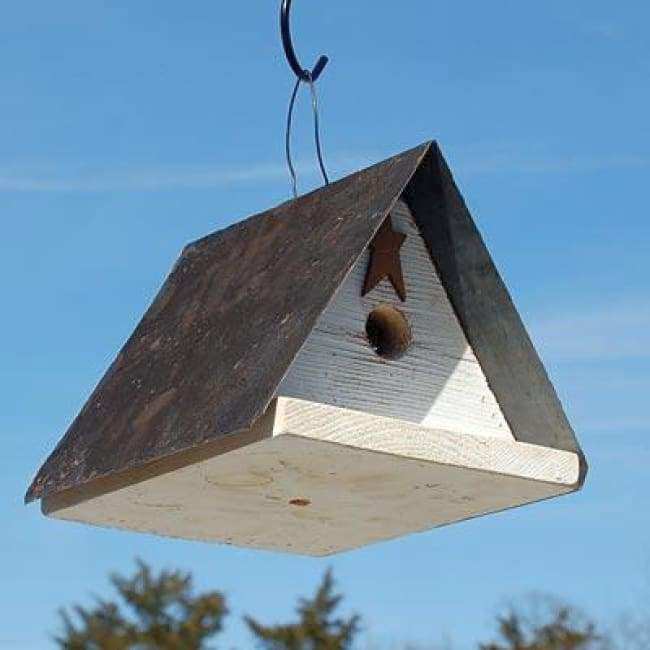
303, 76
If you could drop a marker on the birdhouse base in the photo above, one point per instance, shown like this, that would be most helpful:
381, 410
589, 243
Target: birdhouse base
316, 480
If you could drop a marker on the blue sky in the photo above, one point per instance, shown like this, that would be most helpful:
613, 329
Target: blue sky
130, 128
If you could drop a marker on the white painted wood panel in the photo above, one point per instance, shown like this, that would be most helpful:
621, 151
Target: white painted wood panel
358, 479
438, 383
407, 440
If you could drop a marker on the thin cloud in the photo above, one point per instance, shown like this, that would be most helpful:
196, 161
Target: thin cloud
606, 30
597, 333
62, 178
133, 179
625, 424
514, 163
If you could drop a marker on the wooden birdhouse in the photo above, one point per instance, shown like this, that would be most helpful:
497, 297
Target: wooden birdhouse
345, 368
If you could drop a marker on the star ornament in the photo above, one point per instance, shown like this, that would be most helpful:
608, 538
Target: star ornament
385, 260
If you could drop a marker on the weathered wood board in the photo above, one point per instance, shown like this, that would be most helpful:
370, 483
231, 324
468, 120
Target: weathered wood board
316, 480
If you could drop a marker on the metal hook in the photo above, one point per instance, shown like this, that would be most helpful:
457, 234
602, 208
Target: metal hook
285, 27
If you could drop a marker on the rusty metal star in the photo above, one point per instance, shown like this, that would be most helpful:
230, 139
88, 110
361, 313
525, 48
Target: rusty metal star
385, 260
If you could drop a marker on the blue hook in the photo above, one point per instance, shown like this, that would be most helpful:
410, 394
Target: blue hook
304, 74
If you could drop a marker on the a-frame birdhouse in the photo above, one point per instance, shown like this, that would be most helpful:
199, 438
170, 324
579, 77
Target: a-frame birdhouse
345, 368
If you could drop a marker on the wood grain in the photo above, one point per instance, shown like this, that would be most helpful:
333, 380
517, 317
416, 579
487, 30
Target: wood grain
319, 480
400, 438
437, 383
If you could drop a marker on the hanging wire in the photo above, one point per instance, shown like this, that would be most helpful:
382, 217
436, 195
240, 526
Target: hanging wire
304, 75
317, 138
292, 171
319, 149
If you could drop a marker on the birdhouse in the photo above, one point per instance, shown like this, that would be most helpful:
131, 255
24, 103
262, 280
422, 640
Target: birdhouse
345, 368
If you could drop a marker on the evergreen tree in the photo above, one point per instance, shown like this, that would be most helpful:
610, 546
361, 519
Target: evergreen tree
561, 628
316, 628
163, 614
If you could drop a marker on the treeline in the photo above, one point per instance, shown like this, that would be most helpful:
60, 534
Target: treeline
162, 611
